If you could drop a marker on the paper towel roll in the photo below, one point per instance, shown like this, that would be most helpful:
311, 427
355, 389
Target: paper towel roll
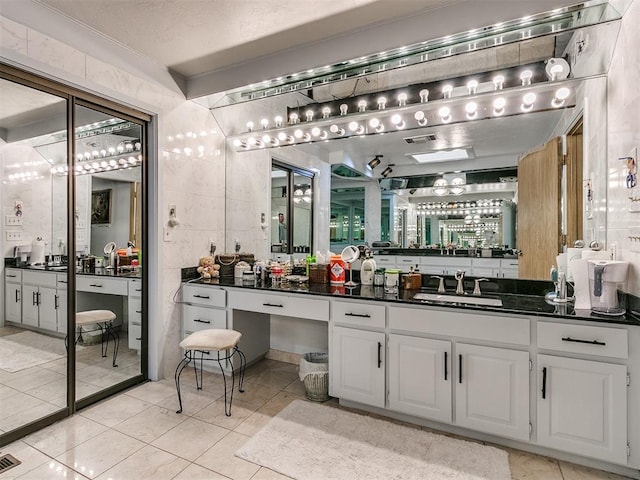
37, 252
580, 273
574, 254
596, 255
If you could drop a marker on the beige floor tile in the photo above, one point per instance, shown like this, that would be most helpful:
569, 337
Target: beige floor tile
254, 422
153, 392
100, 453
571, 471
296, 387
64, 435
221, 459
266, 474
30, 457
32, 378
115, 410
192, 400
273, 378
254, 395
52, 470
150, 424
36, 411
196, 472
191, 438
527, 466
214, 413
6, 392
146, 464
280, 401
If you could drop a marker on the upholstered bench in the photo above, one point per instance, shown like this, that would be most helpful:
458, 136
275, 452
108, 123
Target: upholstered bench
104, 320
218, 345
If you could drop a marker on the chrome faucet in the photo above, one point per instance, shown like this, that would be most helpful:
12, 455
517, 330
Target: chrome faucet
440, 285
476, 289
459, 276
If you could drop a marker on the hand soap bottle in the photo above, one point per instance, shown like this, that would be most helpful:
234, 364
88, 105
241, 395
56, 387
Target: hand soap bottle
367, 271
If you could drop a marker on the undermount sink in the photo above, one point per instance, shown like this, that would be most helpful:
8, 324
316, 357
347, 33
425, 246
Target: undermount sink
471, 300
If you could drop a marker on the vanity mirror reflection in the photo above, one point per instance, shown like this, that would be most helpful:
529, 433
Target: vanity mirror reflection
494, 102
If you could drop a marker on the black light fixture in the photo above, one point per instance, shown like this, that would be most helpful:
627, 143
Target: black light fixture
386, 172
375, 161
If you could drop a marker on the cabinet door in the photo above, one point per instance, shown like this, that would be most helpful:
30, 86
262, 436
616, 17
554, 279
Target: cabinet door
135, 323
492, 390
420, 377
47, 312
13, 302
582, 407
61, 307
30, 305
357, 365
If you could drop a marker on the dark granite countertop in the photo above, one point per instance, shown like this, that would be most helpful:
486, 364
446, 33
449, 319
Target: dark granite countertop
97, 272
444, 253
518, 297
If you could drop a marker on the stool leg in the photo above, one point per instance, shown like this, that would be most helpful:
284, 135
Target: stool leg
243, 365
227, 410
116, 341
181, 366
195, 369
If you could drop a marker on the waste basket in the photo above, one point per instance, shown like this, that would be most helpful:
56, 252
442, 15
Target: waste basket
314, 373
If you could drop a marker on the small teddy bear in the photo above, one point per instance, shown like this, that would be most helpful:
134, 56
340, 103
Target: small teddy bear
208, 268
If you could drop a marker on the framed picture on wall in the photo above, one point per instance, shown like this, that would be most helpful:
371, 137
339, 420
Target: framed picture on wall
101, 206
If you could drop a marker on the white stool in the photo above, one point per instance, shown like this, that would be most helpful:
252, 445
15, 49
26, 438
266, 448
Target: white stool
208, 341
104, 320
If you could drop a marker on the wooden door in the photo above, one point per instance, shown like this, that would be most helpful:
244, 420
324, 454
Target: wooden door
539, 215
574, 187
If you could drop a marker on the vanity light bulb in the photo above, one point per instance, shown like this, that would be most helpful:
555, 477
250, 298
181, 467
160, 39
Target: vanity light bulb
335, 129
424, 95
396, 119
104, 164
95, 165
344, 108
445, 114
471, 108
113, 163
374, 122
472, 87
498, 82
293, 118
298, 134
326, 112
103, 153
382, 103
446, 90
265, 123
362, 105
266, 139
252, 141
402, 99
306, 137
250, 126
309, 115
79, 157
527, 100
95, 154
282, 136
420, 117
237, 143
315, 131
525, 77
563, 93
278, 121
499, 103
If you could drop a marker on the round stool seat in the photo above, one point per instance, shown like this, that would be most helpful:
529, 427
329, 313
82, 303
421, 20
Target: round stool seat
94, 316
211, 339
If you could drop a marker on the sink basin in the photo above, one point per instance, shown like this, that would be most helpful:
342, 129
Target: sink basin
470, 300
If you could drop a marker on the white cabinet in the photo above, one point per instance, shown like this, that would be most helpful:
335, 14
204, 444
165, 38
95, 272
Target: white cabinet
134, 314
420, 377
61, 302
357, 365
13, 295
492, 390
445, 265
39, 303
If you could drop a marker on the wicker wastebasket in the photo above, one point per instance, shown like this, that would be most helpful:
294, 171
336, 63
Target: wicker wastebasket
314, 373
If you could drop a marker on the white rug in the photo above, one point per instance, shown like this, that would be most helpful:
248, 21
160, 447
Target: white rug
28, 349
309, 441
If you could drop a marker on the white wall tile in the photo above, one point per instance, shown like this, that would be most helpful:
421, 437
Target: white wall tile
13, 36
57, 54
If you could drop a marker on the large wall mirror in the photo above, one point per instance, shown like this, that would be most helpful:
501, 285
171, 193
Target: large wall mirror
449, 146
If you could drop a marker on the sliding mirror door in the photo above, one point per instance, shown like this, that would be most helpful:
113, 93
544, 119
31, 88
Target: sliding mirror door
109, 151
33, 152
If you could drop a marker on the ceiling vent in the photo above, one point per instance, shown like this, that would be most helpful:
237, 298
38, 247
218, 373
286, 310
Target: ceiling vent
429, 137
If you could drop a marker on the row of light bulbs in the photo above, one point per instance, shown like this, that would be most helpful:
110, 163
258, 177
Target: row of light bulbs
396, 122
478, 227
300, 195
100, 166
483, 203
122, 148
483, 211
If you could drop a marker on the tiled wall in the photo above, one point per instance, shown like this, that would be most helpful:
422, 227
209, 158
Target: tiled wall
623, 107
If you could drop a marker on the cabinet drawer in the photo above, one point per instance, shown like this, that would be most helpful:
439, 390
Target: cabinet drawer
449, 261
135, 336
42, 279
586, 339
61, 281
288, 306
135, 288
385, 261
363, 314
13, 275
135, 310
509, 263
506, 329
201, 318
95, 284
486, 262
204, 295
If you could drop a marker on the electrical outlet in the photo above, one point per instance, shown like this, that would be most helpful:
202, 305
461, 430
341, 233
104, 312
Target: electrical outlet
167, 234
14, 236
12, 220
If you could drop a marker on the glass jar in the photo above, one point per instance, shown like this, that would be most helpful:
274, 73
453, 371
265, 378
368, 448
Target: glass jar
378, 277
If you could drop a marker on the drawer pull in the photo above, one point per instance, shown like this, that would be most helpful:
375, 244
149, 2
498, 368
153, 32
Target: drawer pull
11, 276
272, 305
138, 289
55, 303
544, 382
138, 311
459, 368
17, 295
379, 354
139, 339
363, 315
136, 324
62, 281
201, 321
199, 296
446, 368
589, 342
95, 285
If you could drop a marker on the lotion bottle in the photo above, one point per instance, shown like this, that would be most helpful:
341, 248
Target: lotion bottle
367, 271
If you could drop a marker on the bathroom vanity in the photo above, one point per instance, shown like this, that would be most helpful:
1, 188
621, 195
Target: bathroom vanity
528, 374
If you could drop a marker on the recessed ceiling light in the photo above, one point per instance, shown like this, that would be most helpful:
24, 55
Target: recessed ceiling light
443, 155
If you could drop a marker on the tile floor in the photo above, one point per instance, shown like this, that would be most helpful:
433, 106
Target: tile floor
40, 390
137, 435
